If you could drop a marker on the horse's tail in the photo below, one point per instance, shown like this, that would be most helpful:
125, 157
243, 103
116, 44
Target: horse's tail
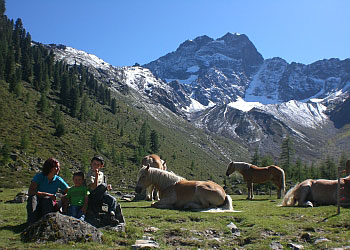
283, 187
227, 203
289, 199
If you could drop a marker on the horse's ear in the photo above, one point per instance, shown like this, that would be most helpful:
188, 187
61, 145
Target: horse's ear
147, 168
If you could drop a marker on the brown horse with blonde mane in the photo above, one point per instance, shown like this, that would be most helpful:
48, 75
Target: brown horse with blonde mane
312, 192
179, 193
155, 162
253, 174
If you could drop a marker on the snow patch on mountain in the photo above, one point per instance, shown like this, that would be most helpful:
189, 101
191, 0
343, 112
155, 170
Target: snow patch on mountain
141, 79
73, 56
305, 114
243, 105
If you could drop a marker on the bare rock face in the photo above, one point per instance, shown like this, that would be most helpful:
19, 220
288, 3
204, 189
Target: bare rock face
62, 229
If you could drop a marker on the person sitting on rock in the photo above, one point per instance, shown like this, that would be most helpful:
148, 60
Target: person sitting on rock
77, 197
96, 182
42, 191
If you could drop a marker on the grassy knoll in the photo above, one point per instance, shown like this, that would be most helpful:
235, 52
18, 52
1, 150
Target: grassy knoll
260, 222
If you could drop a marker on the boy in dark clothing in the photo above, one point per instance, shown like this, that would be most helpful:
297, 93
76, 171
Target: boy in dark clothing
98, 187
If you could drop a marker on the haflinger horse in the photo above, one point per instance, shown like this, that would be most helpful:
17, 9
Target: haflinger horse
312, 192
155, 162
178, 193
253, 174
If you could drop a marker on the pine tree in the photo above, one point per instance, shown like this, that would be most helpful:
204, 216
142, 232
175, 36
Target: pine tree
144, 136
114, 106
43, 104
56, 116
84, 109
10, 70
74, 102
2, 8
17, 38
266, 161
331, 168
256, 158
60, 130
25, 140
27, 59
154, 142
5, 152
286, 156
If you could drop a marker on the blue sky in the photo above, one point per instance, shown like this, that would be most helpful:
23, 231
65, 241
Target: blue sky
124, 32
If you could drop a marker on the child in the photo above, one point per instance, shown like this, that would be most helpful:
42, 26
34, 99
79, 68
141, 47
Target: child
96, 182
77, 197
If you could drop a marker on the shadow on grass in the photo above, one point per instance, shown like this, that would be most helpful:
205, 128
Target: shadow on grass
136, 207
16, 229
325, 219
244, 199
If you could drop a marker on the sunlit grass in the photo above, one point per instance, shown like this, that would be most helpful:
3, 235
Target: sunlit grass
260, 223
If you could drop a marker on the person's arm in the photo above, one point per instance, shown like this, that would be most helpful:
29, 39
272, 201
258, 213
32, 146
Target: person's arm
66, 202
93, 185
33, 190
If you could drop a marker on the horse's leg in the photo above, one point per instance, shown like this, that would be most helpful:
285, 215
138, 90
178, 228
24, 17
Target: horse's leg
156, 194
303, 193
279, 193
164, 203
149, 193
279, 188
250, 190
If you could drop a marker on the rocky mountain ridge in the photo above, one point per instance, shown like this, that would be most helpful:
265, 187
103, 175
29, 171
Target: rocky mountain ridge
226, 87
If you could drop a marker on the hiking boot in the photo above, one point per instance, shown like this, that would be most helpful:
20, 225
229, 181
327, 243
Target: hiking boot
112, 219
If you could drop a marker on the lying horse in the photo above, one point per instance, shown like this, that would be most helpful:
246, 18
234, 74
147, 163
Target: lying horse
177, 192
155, 162
317, 192
253, 174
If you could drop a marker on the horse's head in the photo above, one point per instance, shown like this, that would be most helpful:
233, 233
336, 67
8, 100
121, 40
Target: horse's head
143, 179
230, 168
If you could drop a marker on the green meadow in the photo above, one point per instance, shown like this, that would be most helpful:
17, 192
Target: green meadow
260, 222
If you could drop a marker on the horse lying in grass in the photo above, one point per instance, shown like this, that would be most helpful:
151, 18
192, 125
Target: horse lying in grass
253, 174
311, 192
179, 193
155, 162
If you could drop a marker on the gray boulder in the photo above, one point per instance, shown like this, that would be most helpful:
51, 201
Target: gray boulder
62, 229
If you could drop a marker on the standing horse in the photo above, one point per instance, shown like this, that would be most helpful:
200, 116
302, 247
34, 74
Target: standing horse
177, 192
317, 192
253, 174
155, 162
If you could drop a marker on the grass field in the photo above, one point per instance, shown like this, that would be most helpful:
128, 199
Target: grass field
260, 223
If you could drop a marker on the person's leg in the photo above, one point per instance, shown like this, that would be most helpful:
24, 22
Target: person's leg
96, 198
73, 211
32, 209
119, 214
110, 201
46, 206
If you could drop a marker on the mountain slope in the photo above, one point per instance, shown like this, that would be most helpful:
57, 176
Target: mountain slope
226, 88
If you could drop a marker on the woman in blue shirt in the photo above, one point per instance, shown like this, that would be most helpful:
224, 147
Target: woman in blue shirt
42, 190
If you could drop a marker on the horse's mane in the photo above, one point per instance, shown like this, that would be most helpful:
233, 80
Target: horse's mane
162, 178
